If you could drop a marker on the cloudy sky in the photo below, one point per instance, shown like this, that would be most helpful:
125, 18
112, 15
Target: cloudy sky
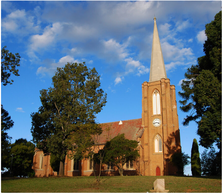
114, 37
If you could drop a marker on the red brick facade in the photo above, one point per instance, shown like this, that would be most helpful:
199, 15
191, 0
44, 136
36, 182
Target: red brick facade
132, 130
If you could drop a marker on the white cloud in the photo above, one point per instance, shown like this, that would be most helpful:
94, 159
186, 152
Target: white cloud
48, 36
66, 59
9, 25
19, 109
180, 26
174, 52
201, 36
142, 70
19, 23
17, 14
51, 67
185, 79
133, 65
173, 65
181, 81
118, 80
7, 6
174, 48
115, 52
164, 28
108, 30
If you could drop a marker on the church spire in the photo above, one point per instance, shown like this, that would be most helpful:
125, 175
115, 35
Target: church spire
157, 67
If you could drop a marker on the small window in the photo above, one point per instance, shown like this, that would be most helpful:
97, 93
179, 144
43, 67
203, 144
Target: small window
158, 144
129, 165
109, 166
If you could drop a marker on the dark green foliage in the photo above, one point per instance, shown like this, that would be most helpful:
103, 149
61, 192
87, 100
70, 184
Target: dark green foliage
68, 109
84, 141
6, 124
22, 152
180, 160
120, 150
202, 88
41, 127
54, 162
211, 162
195, 159
9, 62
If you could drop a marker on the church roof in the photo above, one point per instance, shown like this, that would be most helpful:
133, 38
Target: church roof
157, 67
131, 128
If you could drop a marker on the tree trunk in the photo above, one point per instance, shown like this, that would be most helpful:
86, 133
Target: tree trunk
100, 167
61, 168
120, 169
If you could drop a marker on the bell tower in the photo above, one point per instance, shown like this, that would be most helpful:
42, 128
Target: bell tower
161, 137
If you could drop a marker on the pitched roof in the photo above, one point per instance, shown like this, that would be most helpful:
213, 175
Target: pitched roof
131, 128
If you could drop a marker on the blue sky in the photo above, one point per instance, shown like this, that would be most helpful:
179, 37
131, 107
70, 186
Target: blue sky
114, 37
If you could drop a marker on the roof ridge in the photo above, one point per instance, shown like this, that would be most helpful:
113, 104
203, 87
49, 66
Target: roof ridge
121, 120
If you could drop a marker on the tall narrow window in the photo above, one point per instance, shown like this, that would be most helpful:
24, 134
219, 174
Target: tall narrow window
41, 161
156, 102
158, 143
91, 163
76, 165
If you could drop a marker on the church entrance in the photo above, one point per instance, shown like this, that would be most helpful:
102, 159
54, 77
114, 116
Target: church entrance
157, 171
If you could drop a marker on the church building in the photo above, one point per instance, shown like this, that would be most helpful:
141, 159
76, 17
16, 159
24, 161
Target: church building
157, 132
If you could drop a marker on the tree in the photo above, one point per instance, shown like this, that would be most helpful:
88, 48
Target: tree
67, 108
97, 154
6, 124
195, 159
22, 152
9, 62
202, 88
180, 160
211, 162
119, 151
54, 162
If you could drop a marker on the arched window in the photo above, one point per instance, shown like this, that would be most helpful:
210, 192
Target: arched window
158, 144
156, 102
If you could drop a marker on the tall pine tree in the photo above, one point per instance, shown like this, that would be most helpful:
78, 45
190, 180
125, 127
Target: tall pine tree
202, 88
195, 159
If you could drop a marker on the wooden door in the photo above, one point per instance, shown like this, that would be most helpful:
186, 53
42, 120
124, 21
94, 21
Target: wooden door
157, 171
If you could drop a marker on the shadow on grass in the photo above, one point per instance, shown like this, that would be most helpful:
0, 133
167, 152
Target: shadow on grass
208, 177
11, 178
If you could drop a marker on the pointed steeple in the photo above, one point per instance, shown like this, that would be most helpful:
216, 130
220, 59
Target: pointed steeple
157, 67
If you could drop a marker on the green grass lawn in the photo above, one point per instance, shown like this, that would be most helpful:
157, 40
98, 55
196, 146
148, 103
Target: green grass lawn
110, 184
